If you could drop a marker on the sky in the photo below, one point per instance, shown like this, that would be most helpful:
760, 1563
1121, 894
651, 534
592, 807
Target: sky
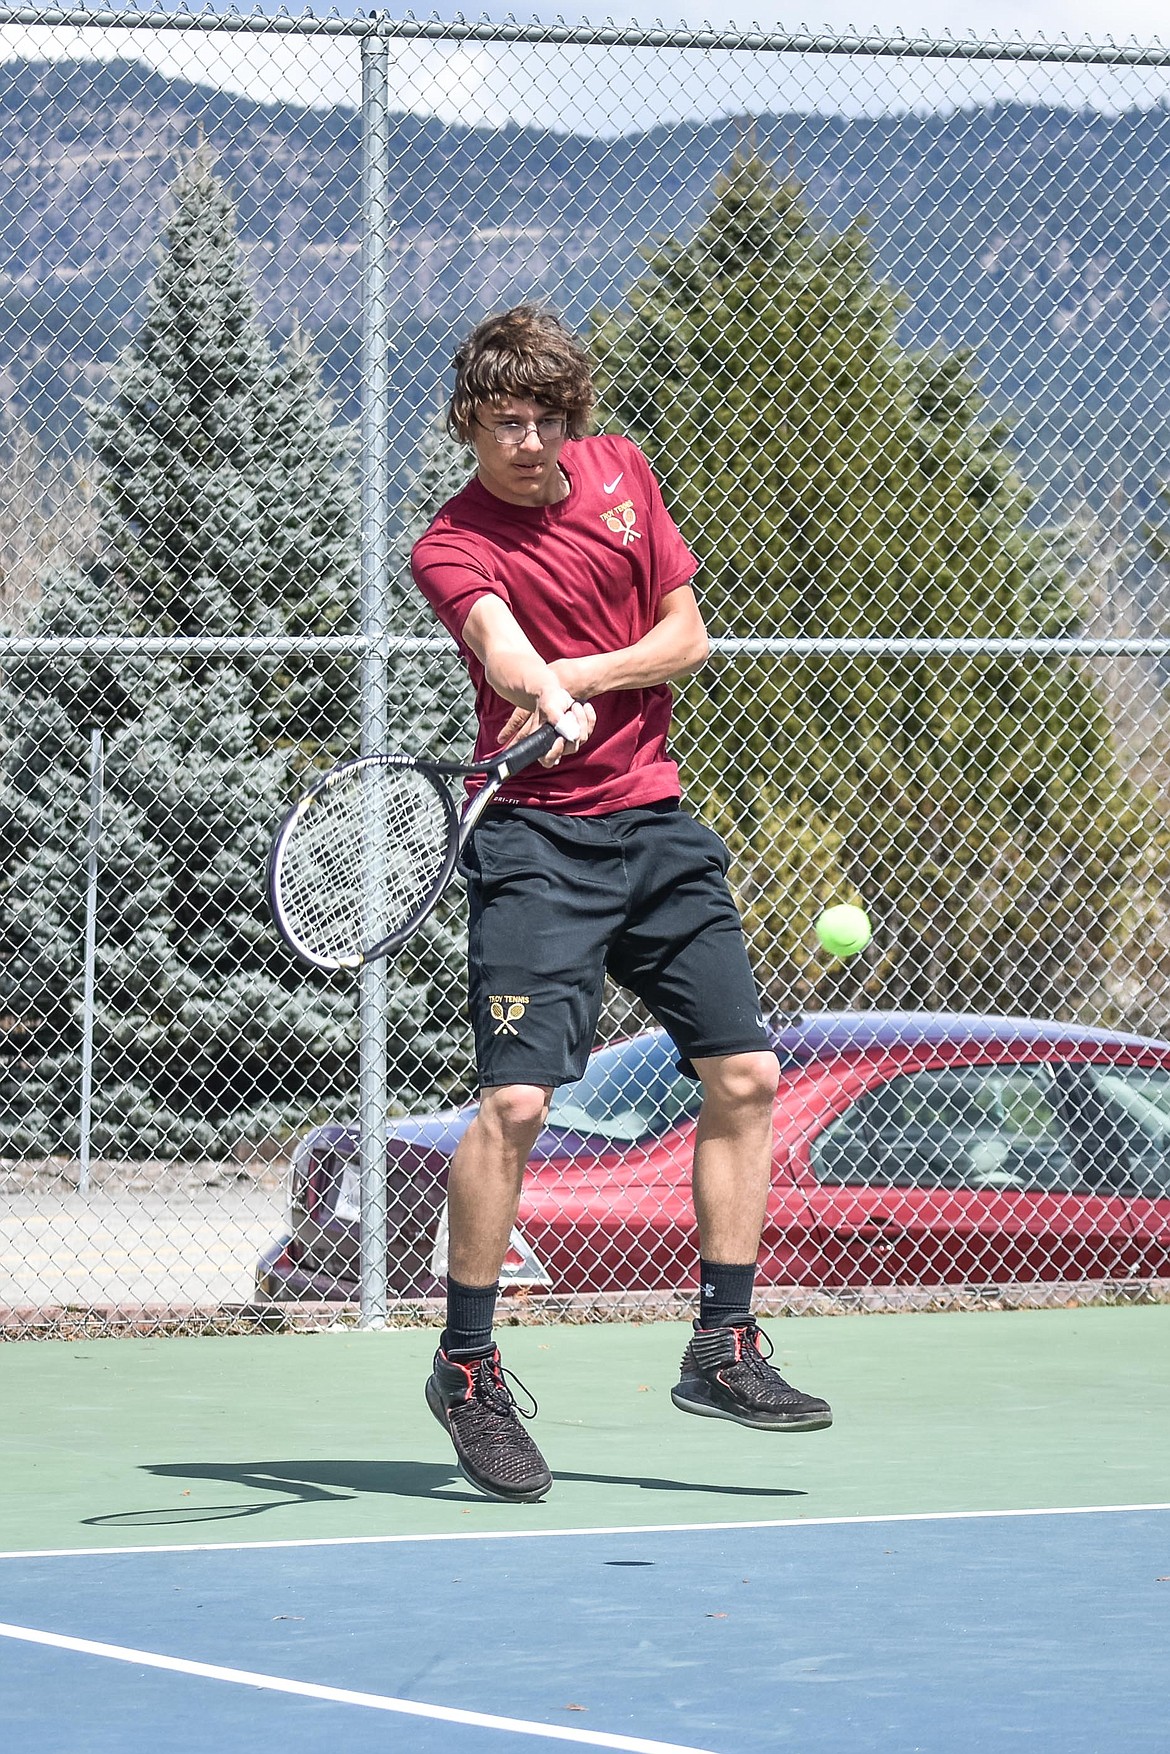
608, 92
1090, 19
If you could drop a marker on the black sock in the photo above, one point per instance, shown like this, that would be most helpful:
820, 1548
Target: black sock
725, 1293
470, 1311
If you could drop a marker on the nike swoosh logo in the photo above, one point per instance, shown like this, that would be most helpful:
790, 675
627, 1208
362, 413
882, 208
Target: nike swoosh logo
609, 486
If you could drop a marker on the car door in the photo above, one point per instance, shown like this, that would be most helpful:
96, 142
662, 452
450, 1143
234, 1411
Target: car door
1134, 1102
962, 1175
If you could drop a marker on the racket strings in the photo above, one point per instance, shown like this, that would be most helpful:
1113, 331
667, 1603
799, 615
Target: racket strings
364, 860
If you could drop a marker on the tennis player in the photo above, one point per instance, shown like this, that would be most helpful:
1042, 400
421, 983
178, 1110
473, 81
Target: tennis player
567, 588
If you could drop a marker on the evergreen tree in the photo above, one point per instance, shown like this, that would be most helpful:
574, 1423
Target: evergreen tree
228, 503
226, 506
308, 520
46, 712
431, 708
431, 704
180, 467
833, 483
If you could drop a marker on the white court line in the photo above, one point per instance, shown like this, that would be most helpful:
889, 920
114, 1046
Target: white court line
346, 1696
810, 1522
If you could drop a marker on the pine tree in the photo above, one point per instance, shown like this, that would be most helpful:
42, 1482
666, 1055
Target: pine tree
180, 468
308, 518
228, 498
431, 705
832, 483
226, 506
431, 709
47, 709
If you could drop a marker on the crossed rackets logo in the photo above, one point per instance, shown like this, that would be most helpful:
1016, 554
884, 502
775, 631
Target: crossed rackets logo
508, 1009
621, 519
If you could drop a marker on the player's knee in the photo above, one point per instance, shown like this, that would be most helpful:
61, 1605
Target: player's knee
515, 1111
741, 1080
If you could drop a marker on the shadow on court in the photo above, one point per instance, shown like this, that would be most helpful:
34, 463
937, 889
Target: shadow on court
314, 1482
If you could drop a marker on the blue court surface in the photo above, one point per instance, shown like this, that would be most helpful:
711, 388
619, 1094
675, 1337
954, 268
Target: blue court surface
953, 1634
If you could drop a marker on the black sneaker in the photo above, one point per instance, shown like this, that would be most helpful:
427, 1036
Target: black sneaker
724, 1375
479, 1411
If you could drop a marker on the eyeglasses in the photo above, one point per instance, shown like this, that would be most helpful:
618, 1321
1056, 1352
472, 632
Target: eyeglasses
548, 429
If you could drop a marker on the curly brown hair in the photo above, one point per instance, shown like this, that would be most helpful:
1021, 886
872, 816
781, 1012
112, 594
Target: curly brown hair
525, 352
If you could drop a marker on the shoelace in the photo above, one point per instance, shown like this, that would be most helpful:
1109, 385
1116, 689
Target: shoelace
751, 1352
493, 1391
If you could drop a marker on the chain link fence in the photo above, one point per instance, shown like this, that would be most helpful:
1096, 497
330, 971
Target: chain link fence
889, 319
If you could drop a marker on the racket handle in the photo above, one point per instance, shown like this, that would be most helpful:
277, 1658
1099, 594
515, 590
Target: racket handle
528, 750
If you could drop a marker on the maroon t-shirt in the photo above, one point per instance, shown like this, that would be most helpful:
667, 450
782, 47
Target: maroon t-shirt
586, 575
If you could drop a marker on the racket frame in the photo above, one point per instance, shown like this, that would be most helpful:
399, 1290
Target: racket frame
496, 769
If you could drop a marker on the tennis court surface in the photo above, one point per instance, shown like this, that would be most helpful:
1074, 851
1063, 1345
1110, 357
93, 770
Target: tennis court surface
220, 1544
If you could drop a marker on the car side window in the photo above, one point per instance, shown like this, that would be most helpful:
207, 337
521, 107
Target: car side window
982, 1128
1129, 1106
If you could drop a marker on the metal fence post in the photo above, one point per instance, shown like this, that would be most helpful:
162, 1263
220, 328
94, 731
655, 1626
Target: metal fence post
96, 794
375, 412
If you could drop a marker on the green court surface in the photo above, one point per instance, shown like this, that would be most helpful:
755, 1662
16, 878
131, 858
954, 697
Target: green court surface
141, 1442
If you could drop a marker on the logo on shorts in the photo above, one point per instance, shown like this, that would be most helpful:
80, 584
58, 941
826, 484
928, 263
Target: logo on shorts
621, 519
508, 1009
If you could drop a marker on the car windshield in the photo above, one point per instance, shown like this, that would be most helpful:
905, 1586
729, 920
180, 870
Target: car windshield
631, 1091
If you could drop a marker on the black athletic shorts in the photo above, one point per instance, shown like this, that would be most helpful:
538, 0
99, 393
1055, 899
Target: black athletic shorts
557, 902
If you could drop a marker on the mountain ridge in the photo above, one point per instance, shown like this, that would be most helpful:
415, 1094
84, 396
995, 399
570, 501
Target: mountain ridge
1036, 236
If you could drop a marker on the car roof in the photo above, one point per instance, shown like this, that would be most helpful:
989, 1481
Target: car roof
819, 1035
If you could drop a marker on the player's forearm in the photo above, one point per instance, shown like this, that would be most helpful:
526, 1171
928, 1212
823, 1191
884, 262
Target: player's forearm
675, 647
517, 676
513, 667
663, 655
517, 673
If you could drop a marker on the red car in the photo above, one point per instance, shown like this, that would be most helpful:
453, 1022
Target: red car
910, 1149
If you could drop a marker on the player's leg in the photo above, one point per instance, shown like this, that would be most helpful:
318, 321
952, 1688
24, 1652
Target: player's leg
487, 1174
733, 1152
724, 1373
467, 1390
536, 948
683, 953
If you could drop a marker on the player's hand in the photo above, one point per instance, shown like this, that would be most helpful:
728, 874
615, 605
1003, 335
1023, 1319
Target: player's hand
574, 719
555, 707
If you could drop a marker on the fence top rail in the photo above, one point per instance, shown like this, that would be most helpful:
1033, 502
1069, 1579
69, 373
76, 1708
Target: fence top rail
190, 646
356, 645
381, 26
958, 645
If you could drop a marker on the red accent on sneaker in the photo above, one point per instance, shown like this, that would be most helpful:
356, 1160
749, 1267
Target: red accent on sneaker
458, 1364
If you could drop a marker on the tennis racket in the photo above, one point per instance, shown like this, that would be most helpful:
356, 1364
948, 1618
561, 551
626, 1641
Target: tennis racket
360, 861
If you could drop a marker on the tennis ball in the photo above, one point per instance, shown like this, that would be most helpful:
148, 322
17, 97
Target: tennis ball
844, 930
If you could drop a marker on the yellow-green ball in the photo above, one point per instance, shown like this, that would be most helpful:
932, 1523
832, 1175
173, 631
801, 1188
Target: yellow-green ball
844, 930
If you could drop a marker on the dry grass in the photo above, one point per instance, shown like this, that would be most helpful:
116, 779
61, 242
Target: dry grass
46, 520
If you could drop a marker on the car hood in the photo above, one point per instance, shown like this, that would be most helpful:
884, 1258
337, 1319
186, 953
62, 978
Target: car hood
441, 1133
